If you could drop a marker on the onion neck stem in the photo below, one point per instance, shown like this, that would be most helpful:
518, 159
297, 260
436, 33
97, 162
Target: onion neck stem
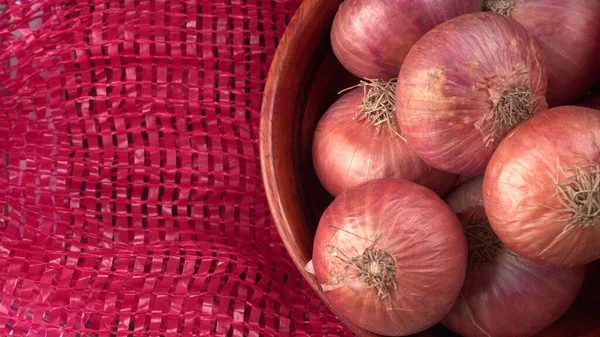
502, 7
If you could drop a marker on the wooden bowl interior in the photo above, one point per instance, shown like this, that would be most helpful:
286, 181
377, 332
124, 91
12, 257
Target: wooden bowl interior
304, 80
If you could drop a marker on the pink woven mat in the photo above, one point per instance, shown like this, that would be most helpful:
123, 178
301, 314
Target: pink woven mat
131, 202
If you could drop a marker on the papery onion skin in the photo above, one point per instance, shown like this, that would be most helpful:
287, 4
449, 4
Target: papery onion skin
418, 229
509, 296
372, 37
450, 80
568, 33
522, 200
348, 152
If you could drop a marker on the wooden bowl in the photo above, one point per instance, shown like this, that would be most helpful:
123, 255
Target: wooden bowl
303, 82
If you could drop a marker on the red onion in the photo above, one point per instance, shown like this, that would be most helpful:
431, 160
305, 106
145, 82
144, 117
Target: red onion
568, 33
348, 149
466, 84
542, 187
390, 256
504, 295
372, 37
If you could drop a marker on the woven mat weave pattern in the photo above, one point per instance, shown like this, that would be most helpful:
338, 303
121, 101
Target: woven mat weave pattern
131, 202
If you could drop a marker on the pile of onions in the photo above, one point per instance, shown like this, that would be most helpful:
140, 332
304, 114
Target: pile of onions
542, 187
464, 85
568, 33
371, 37
504, 295
358, 139
455, 94
390, 256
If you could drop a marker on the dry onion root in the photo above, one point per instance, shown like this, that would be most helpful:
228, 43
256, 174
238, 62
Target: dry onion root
580, 195
374, 267
484, 244
378, 104
502, 7
513, 107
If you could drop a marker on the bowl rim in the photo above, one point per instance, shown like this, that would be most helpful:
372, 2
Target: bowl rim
301, 23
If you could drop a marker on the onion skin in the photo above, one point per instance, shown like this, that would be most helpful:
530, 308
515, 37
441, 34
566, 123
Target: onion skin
519, 186
510, 296
371, 37
348, 152
452, 77
568, 33
422, 234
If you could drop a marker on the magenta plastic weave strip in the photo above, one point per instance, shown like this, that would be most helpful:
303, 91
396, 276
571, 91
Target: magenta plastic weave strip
131, 201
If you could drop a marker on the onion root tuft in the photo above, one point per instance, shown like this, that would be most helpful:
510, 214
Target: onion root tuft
502, 7
378, 104
580, 194
376, 268
513, 107
483, 243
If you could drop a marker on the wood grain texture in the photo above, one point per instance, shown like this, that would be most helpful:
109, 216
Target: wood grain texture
302, 83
